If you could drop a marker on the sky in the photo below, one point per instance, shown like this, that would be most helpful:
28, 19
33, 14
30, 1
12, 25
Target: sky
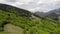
34, 5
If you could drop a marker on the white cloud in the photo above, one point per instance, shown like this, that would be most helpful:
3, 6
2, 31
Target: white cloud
11, 0
2, 1
34, 5
17, 4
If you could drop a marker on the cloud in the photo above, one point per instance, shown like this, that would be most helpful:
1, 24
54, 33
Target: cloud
34, 5
11, 0
2, 1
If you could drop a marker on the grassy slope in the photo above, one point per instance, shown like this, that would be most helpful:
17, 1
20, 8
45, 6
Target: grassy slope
11, 29
34, 25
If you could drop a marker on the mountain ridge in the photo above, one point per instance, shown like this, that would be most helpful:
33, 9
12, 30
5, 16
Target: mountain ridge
53, 14
31, 23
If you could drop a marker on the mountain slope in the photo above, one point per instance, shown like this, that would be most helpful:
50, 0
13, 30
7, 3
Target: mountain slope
41, 13
31, 23
53, 14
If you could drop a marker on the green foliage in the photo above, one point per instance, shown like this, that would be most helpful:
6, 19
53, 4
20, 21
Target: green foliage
30, 24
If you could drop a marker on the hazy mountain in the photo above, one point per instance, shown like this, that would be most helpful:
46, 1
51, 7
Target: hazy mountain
53, 14
40, 13
20, 21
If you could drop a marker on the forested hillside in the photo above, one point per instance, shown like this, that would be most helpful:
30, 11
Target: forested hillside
29, 22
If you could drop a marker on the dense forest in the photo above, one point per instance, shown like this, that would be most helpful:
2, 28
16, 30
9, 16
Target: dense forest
29, 22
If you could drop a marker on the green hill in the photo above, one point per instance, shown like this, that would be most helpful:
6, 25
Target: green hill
30, 23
